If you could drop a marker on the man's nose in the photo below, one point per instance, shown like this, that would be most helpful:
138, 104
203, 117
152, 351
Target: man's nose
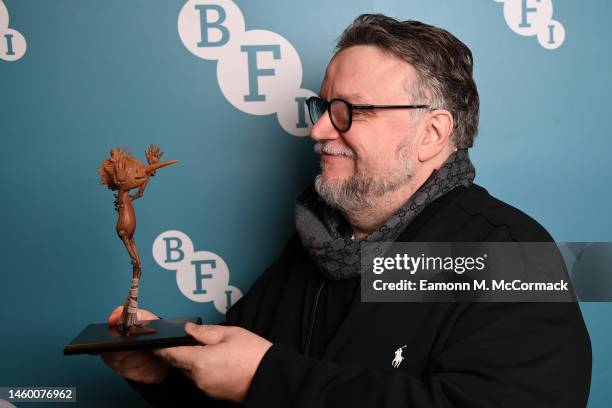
323, 129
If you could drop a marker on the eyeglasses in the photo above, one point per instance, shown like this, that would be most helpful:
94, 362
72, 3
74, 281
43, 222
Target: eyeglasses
341, 112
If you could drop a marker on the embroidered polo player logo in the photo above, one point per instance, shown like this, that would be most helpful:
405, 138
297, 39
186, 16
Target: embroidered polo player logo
398, 357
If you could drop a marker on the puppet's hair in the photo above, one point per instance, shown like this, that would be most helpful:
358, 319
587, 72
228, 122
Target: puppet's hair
107, 170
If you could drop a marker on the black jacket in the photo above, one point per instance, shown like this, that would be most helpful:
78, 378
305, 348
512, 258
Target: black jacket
331, 350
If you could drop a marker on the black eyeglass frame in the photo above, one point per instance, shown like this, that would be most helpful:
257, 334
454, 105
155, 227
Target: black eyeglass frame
352, 107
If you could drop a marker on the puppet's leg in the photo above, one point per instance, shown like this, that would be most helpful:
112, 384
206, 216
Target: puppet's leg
130, 306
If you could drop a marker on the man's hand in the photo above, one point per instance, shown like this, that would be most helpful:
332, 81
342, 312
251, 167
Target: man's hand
224, 365
136, 365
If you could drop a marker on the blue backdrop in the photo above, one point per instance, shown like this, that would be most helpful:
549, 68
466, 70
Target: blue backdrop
97, 75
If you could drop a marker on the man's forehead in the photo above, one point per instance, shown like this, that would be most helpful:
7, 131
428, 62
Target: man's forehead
359, 73
330, 90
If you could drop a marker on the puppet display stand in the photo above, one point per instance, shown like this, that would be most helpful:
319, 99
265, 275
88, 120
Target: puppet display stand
122, 172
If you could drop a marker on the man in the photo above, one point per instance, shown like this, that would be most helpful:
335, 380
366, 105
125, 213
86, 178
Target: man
397, 171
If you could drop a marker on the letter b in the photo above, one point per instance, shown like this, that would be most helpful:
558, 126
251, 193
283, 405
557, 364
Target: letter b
206, 25
170, 249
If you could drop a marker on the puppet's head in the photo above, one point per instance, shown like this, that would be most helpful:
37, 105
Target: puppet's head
123, 172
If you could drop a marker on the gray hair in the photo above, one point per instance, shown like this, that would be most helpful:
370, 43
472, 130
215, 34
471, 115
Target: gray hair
444, 66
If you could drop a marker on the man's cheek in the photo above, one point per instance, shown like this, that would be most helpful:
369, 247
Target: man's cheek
375, 162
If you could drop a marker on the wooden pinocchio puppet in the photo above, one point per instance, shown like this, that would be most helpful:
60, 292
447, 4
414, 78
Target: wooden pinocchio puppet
123, 172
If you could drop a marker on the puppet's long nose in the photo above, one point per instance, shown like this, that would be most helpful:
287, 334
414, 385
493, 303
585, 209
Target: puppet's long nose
152, 167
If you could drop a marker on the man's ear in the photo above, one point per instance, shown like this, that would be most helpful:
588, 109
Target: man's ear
437, 130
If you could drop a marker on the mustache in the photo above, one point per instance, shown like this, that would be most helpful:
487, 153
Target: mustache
326, 148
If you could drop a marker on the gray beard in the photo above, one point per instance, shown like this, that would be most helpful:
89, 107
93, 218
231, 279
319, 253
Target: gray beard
361, 191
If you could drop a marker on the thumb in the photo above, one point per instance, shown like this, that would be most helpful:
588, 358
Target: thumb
114, 317
206, 333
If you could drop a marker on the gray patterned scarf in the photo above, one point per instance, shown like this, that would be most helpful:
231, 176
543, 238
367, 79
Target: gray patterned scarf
328, 236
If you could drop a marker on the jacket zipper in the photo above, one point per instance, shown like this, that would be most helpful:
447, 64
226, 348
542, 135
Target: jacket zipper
313, 317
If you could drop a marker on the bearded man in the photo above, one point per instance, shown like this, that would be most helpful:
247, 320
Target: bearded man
398, 110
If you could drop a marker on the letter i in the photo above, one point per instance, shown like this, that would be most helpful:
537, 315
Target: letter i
9, 44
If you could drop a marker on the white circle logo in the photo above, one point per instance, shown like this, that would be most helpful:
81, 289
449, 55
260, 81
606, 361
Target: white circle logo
259, 72
201, 276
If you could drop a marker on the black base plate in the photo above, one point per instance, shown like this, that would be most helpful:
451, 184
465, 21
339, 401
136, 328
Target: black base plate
101, 337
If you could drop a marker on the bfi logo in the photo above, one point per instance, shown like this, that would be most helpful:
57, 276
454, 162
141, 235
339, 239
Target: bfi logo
12, 43
201, 276
259, 72
534, 17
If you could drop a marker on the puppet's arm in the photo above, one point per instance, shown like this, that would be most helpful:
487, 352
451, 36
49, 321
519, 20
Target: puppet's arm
153, 155
140, 191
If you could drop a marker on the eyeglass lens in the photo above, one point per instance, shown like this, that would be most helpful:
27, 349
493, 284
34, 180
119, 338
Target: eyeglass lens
339, 112
316, 108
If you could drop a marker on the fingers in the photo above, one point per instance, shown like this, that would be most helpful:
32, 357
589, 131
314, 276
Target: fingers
120, 168
184, 357
154, 154
181, 357
207, 333
141, 314
113, 319
115, 357
136, 365
128, 360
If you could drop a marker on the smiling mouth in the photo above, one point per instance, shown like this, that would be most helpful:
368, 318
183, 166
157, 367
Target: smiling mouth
326, 155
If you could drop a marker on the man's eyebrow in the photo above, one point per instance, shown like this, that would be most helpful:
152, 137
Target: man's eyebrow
352, 98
